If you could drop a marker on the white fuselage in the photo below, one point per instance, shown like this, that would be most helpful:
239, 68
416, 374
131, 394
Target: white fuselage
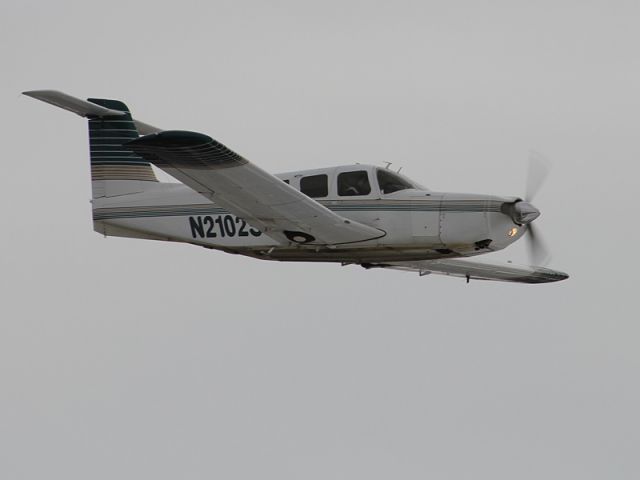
418, 223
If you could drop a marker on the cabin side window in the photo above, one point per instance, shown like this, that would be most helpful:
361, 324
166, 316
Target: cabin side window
315, 186
389, 182
353, 184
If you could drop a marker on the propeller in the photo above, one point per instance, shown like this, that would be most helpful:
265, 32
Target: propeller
538, 172
539, 254
524, 213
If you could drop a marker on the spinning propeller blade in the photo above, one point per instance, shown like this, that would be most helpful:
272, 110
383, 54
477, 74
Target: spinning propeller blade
539, 168
539, 254
538, 172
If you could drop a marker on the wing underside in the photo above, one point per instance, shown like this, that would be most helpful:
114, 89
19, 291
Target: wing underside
247, 191
471, 269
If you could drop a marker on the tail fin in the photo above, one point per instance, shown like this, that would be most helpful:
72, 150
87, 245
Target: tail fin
115, 170
110, 161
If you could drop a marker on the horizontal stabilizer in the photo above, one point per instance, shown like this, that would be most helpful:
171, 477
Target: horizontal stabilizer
72, 104
85, 108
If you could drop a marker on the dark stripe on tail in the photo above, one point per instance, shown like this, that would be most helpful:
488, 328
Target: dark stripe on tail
109, 159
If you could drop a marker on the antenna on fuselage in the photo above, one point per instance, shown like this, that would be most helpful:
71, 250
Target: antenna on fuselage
388, 165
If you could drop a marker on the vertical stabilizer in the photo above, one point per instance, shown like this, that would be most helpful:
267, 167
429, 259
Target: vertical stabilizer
115, 170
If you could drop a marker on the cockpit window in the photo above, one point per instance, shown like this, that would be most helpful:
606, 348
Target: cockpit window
315, 186
389, 182
353, 183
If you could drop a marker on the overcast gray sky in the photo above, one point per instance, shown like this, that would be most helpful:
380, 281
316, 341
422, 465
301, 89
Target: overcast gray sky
130, 359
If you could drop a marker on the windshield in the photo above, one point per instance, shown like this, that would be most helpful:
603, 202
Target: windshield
390, 182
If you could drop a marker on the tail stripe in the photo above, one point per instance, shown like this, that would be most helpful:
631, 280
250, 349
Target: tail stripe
109, 159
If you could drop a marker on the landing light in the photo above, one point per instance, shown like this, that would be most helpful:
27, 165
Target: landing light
513, 232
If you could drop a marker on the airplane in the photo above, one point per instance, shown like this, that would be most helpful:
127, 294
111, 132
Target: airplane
351, 214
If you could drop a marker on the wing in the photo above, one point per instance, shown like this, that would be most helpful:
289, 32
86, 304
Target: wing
231, 181
469, 269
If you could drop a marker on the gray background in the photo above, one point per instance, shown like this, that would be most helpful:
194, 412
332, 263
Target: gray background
130, 359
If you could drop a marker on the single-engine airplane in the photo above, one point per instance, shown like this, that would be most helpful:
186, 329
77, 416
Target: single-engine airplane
352, 214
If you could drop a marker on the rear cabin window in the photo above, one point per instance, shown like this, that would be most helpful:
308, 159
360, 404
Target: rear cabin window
389, 182
353, 183
315, 186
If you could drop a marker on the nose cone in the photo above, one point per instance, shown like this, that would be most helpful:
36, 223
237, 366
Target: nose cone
524, 213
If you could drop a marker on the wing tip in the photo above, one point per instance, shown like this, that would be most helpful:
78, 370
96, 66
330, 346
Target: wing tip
172, 139
545, 275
